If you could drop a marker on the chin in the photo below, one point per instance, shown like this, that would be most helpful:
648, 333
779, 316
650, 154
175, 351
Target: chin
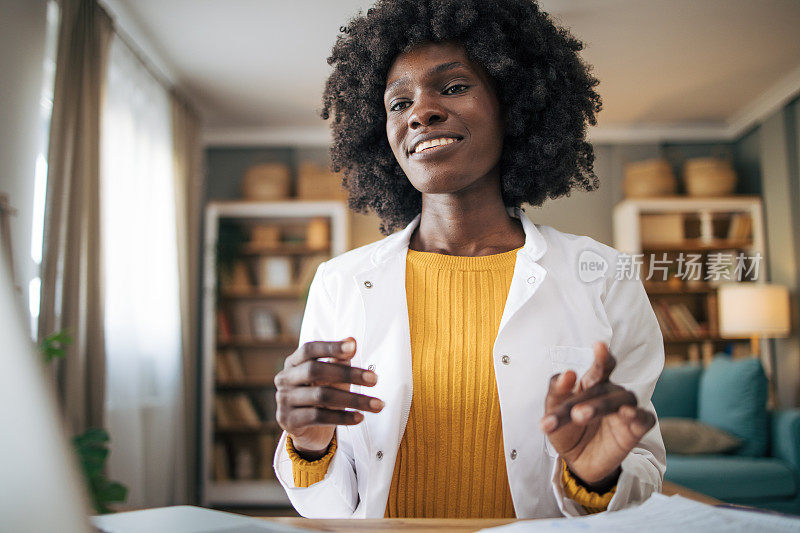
440, 183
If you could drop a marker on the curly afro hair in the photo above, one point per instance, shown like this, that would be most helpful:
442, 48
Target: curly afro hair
546, 92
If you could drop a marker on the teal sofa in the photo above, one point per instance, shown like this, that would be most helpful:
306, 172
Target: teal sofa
731, 395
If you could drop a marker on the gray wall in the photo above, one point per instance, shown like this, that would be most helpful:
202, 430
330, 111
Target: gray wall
590, 214
779, 151
22, 43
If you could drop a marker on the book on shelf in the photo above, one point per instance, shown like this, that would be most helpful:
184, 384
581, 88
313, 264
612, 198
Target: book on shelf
308, 268
740, 227
720, 267
266, 448
677, 321
221, 372
686, 320
222, 413
240, 409
239, 278
221, 469
224, 331
712, 313
228, 366
235, 410
244, 463
275, 273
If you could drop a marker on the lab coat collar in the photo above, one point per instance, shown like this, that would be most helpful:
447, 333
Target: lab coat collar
534, 248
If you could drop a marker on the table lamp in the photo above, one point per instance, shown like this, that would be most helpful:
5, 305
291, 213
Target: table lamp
753, 310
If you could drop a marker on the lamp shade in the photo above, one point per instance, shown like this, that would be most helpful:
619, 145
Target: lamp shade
748, 309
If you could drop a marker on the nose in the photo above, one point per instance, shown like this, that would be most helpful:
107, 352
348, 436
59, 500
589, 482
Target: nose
426, 111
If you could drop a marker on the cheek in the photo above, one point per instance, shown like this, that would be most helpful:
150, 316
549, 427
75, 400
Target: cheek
394, 135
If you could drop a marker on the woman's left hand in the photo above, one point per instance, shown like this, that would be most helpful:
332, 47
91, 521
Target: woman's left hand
593, 426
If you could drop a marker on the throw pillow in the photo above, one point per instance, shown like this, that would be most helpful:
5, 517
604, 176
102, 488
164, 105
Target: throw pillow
733, 397
675, 394
689, 437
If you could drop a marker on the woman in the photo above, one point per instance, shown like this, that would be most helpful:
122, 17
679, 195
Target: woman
462, 366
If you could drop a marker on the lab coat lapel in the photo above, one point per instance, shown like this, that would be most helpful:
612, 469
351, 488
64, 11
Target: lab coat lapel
386, 350
528, 274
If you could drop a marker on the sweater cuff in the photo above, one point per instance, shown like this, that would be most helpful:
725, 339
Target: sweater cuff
306, 473
591, 501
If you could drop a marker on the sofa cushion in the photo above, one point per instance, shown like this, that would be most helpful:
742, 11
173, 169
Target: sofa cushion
731, 478
675, 395
688, 436
733, 397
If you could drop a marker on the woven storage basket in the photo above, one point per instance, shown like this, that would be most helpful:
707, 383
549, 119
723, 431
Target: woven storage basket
652, 177
709, 176
317, 183
266, 181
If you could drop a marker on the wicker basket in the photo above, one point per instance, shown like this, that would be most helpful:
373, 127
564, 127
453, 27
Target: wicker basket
709, 176
318, 183
653, 177
266, 181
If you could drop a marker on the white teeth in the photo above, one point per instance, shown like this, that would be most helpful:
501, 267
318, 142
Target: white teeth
424, 145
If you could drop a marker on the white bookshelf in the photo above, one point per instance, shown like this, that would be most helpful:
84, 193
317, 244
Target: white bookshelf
706, 224
260, 488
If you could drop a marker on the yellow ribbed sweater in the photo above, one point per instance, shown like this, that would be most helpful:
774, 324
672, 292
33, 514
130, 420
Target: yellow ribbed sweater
451, 461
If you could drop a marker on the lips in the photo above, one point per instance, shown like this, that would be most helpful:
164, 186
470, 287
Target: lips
433, 141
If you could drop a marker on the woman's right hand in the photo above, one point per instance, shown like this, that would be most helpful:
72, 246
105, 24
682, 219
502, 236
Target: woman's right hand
312, 394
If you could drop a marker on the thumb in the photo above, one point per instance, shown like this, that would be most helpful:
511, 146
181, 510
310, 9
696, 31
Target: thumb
561, 387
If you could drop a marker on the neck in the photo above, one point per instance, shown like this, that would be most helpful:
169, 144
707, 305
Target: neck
469, 224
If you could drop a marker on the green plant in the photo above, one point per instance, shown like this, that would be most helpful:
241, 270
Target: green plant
55, 346
92, 450
91, 446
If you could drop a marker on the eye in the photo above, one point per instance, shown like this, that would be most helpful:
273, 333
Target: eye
456, 89
399, 106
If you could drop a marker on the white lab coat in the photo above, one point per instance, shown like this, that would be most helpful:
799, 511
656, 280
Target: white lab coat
550, 321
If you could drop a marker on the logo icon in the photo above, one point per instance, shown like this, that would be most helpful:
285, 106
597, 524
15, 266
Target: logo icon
591, 266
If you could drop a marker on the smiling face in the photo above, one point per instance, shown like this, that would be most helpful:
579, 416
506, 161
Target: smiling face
444, 122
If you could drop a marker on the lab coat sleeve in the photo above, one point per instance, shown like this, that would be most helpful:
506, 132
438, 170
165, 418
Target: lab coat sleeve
336, 496
637, 344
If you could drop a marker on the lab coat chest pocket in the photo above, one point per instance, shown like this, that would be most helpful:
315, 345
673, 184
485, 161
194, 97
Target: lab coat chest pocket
575, 358
563, 358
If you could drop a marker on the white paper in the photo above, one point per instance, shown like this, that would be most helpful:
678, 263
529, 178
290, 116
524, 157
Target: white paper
662, 514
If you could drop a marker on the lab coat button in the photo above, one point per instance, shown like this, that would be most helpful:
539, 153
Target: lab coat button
506, 360
513, 454
371, 368
379, 455
368, 284
532, 280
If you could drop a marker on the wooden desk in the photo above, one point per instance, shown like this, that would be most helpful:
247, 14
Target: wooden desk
441, 525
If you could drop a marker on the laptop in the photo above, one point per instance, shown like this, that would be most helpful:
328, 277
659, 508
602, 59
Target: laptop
40, 486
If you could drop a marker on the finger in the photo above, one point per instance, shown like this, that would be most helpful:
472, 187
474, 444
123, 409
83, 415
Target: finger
313, 373
317, 416
560, 414
639, 420
600, 406
343, 350
331, 398
601, 368
561, 387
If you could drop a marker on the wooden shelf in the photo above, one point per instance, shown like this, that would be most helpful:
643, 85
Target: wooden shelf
242, 342
256, 293
698, 245
702, 338
253, 248
247, 383
666, 288
264, 427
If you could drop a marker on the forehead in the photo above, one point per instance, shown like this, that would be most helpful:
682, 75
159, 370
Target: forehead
424, 59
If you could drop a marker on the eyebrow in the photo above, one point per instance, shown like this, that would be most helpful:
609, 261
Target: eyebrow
438, 69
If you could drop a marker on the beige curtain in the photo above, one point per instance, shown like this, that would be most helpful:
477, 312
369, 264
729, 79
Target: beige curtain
72, 283
188, 198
